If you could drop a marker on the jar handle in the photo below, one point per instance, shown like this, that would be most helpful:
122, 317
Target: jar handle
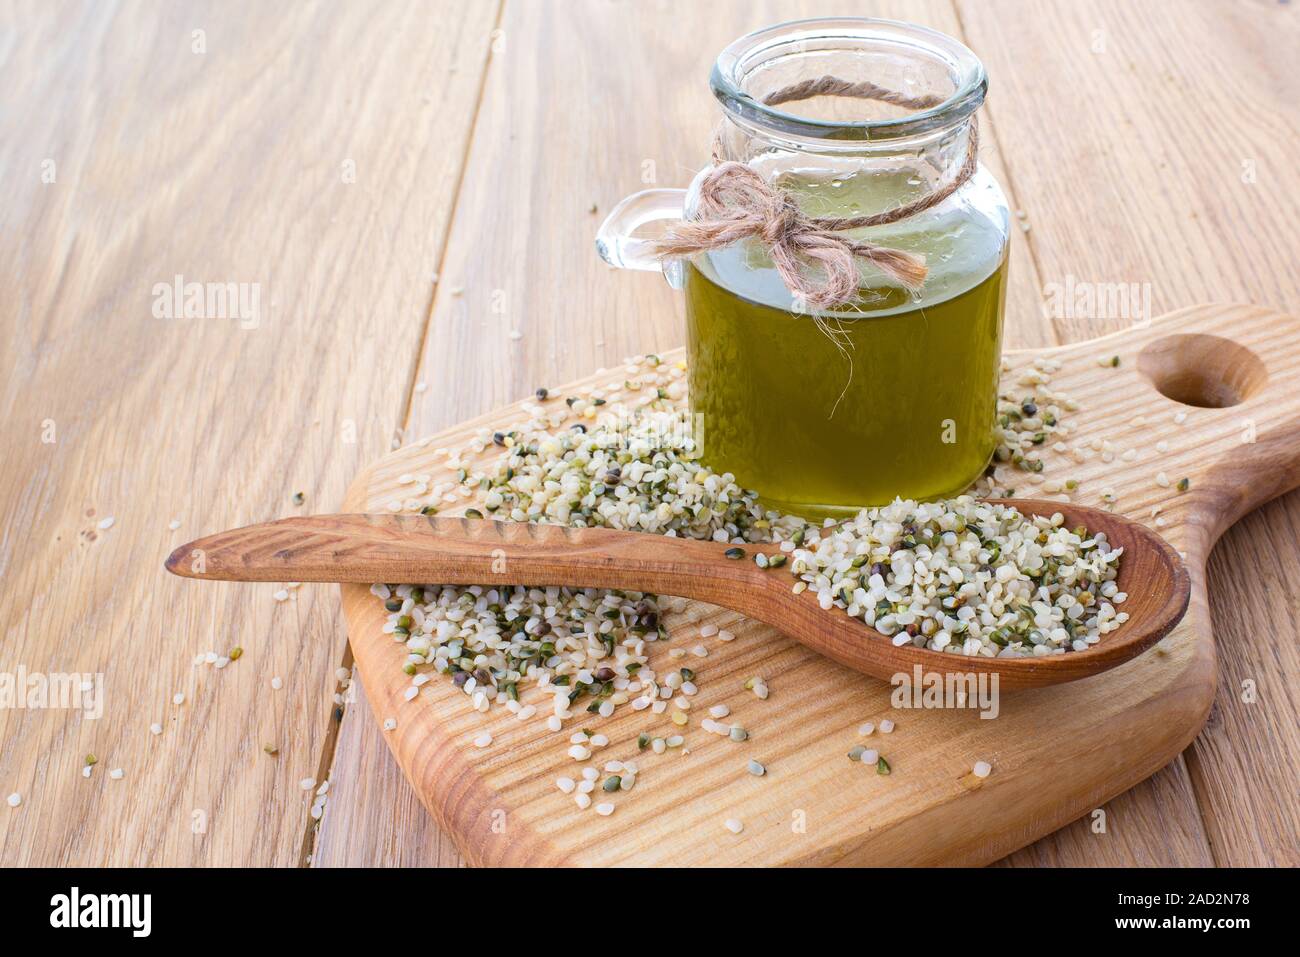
618, 247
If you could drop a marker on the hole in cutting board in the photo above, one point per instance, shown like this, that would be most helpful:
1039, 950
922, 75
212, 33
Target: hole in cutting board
1202, 370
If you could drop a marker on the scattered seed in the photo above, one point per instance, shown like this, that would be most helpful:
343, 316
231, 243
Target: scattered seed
755, 768
733, 825
981, 769
548, 451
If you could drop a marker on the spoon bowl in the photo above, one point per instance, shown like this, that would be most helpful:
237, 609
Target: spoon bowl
462, 551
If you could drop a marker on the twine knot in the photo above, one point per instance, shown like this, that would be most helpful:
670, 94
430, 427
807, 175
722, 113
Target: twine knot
736, 202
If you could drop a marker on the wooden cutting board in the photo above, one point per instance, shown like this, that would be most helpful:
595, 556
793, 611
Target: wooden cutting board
1056, 753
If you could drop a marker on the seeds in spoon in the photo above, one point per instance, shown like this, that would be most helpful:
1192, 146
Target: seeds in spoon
966, 577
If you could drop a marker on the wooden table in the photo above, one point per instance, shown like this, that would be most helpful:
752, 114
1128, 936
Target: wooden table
403, 185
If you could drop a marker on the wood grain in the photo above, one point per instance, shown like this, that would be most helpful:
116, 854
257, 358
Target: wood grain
1059, 751
234, 164
218, 166
1179, 152
633, 87
643, 36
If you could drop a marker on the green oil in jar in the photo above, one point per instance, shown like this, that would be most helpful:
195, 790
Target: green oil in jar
893, 395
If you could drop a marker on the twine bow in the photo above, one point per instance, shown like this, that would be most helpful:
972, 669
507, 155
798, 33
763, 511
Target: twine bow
736, 202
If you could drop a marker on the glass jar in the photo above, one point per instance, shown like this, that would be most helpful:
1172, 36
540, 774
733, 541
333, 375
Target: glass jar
895, 393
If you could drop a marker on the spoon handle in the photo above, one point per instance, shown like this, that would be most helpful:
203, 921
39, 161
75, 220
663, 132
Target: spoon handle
418, 549
462, 551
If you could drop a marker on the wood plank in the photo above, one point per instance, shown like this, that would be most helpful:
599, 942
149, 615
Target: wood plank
234, 164
1155, 824
1179, 151
1244, 765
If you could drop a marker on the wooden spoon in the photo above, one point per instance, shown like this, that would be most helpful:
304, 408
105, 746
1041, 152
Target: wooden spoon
461, 551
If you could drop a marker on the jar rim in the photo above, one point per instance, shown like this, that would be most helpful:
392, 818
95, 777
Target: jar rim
970, 81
